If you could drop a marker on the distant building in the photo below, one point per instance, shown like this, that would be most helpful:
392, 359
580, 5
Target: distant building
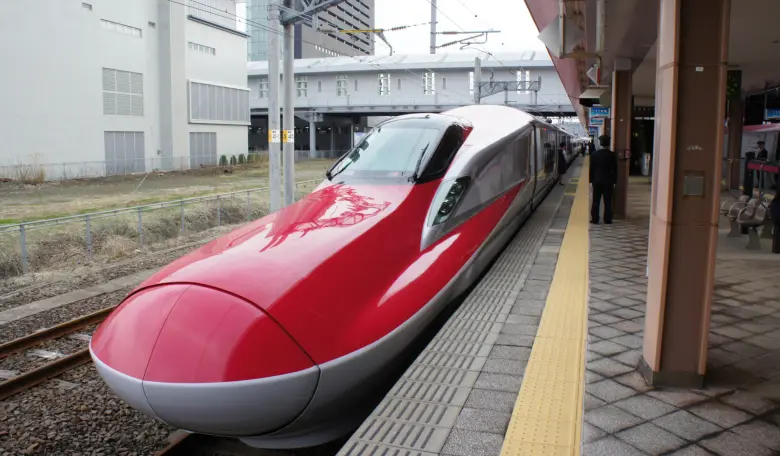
120, 86
309, 43
335, 97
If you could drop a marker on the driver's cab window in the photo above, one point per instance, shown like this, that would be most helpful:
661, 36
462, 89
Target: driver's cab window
392, 150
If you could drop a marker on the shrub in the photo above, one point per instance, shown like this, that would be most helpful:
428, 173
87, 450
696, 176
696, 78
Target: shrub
223, 161
233, 160
241, 159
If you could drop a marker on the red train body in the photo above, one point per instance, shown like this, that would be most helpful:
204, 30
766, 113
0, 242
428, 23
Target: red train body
265, 333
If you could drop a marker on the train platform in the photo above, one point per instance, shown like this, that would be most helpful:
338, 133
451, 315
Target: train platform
541, 357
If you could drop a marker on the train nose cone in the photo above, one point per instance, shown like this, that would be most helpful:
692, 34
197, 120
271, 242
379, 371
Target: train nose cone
204, 360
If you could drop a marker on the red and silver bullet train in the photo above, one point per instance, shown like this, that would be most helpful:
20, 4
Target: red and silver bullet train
272, 332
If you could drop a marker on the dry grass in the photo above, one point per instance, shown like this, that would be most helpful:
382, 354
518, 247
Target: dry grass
61, 247
27, 174
55, 199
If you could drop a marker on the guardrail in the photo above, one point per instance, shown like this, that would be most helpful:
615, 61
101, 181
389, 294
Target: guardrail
238, 200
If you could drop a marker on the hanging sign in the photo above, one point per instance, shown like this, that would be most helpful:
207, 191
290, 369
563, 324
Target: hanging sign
599, 112
772, 114
597, 122
593, 131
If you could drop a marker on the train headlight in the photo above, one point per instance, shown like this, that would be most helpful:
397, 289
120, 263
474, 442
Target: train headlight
447, 206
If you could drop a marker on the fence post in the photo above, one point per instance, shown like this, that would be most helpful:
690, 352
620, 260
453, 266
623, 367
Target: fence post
23, 242
248, 209
140, 229
219, 211
89, 239
181, 210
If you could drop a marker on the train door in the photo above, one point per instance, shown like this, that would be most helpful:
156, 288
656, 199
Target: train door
541, 158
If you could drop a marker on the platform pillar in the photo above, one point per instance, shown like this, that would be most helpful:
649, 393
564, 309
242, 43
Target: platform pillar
312, 138
690, 93
621, 117
736, 122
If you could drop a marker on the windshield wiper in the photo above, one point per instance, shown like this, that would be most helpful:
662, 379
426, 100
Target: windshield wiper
328, 175
419, 160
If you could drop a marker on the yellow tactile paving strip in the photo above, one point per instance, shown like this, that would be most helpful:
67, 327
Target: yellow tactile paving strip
547, 418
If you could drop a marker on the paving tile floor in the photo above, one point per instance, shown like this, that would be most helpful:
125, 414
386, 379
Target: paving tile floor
738, 412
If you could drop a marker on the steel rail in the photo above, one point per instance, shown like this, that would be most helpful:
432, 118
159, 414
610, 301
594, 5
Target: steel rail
53, 369
54, 332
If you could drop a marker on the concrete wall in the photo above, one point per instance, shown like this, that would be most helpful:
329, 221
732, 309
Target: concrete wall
51, 113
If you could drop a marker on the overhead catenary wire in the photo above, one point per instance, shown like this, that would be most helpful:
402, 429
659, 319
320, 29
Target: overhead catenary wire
227, 15
270, 30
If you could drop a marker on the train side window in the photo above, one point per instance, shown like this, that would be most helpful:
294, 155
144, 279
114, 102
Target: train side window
443, 155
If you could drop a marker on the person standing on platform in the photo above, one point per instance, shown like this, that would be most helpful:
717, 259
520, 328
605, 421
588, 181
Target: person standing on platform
603, 177
762, 153
562, 165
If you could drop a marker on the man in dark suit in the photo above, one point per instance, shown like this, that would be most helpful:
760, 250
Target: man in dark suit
603, 177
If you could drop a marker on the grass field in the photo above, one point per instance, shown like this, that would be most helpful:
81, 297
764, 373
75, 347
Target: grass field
59, 247
55, 199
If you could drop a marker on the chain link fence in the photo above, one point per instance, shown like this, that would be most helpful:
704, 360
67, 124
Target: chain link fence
34, 172
60, 242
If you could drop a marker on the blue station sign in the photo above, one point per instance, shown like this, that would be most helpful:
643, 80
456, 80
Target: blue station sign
599, 112
597, 122
772, 114
593, 131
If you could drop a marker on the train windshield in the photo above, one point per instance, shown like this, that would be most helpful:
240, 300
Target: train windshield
392, 150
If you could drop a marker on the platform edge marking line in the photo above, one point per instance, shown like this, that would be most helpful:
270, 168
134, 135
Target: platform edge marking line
554, 427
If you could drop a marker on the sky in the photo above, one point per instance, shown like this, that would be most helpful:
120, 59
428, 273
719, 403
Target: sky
510, 17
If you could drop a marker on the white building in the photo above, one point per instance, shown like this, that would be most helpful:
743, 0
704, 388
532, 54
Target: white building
108, 86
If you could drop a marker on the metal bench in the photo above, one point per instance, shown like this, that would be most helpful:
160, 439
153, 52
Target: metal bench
733, 214
726, 205
751, 217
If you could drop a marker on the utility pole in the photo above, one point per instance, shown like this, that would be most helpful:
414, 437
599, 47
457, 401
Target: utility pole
274, 135
289, 109
285, 14
433, 26
477, 79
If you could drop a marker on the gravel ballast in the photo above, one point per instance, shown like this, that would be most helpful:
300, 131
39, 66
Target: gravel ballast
76, 414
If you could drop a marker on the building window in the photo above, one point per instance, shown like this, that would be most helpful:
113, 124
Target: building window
356, 85
123, 93
302, 86
471, 83
443, 83
523, 78
429, 83
203, 149
341, 85
211, 103
124, 152
86, 6
399, 83
263, 88
121, 28
319, 86
201, 48
384, 84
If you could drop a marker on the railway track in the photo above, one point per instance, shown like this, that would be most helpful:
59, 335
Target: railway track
27, 380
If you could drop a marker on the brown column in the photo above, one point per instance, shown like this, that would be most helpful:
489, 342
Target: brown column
621, 116
683, 235
736, 122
